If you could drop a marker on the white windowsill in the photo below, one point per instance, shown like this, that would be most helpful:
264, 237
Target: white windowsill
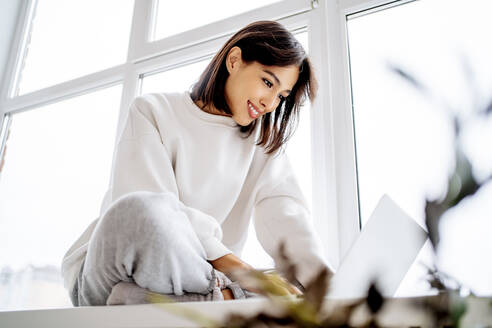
396, 312
145, 315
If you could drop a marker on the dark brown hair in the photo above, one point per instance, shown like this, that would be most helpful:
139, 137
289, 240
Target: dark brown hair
270, 44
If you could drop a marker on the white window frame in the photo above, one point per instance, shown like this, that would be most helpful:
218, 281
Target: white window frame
146, 56
335, 196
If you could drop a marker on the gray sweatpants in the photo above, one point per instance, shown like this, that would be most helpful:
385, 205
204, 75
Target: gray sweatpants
143, 238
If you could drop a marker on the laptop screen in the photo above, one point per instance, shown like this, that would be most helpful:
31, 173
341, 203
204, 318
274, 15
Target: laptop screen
384, 251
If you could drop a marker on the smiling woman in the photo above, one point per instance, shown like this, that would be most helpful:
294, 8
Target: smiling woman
191, 171
261, 69
253, 81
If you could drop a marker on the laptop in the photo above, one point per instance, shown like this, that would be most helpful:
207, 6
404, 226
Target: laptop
384, 251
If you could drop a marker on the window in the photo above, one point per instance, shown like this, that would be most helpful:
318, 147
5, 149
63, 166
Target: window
427, 38
404, 137
51, 187
62, 136
174, 17
60, 50
175, 80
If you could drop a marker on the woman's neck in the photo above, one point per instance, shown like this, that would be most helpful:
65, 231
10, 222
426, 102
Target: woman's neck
210, 109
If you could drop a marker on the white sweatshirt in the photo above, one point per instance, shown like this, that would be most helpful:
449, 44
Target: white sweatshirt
221, 179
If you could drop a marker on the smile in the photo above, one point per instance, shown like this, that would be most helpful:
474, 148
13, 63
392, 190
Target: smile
253, 111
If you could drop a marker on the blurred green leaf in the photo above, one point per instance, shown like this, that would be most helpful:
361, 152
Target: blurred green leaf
488, 109
316, 291
285, 266
458, 310
433, 213
409, 78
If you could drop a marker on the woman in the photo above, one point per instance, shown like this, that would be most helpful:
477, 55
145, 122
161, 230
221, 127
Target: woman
190, 171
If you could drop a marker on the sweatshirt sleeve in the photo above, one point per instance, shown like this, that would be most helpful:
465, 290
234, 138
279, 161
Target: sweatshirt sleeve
281, 214
142, 162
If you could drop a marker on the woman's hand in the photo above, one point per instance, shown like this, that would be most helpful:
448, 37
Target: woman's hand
228, 263
291, 289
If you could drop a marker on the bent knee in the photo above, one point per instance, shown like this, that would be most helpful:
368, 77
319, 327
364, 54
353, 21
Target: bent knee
145, 211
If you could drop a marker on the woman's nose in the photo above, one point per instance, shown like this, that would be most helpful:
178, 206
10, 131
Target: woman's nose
269, 103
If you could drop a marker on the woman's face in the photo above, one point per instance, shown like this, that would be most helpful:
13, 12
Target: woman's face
252, 90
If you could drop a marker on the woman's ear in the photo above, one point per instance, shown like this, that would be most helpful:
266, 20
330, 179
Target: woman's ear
233, 59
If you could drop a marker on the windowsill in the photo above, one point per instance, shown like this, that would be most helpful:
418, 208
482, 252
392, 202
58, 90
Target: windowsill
148, 315
396, 312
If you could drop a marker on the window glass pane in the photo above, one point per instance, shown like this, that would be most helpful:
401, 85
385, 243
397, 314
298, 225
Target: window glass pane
404, 135
57, 168
298, 150
70, 39
174, 17
175, 80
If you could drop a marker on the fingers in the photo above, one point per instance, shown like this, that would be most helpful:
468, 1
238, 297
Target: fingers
287, 287
295, 290
292, 289
268, 283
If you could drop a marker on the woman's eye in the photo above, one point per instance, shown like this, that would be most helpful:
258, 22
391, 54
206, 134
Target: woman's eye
268, 83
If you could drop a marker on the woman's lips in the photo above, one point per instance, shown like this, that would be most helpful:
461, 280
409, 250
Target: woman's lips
253, 110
